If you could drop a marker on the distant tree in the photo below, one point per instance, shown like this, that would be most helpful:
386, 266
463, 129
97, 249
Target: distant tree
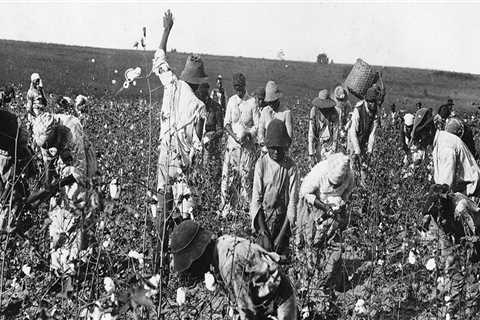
322, 58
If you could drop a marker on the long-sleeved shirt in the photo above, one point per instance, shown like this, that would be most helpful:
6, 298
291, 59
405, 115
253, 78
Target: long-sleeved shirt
275, 189
247, 270
268, 114
35, 99
316, 183
322, 131
361, 134
242, 115
181, 111
82, 164
454, 164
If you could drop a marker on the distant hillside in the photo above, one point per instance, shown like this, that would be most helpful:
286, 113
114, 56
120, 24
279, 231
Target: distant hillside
70, 70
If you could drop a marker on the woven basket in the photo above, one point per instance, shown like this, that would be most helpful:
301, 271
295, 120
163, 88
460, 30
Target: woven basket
361, 77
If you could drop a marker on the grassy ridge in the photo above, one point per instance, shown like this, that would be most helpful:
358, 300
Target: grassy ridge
69, 70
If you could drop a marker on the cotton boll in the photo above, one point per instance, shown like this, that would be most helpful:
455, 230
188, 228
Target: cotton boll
114, 81
26, 269
210, 281
115, 189
360, 307
412, 259
430, 265
108, 284
181, 296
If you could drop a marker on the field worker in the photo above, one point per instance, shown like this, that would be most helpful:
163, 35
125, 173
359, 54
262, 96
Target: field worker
80, 103
450, 104
240, 123
453, 163
213, 124
259, 95
36, 100
273, 110
181, 129
65, 105
323, 128
7, 95
406, 132
343, 105
322, 197
218, 94
274, 196
182, 125
451, 218
14, 150
70, 162
250, 274
441, 117
361, 134
418, 106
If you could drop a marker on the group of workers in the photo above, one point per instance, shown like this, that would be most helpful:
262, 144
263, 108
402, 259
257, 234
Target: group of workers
259, 131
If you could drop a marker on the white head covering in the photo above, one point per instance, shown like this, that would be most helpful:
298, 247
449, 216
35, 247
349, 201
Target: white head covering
339, 168
34, 76
340, 93
408, 119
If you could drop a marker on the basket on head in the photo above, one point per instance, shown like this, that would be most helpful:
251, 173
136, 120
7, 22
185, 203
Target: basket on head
361, 77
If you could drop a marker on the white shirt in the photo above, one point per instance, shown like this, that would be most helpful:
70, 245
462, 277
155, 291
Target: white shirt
268, 114
181, 110
242, 115
453, 162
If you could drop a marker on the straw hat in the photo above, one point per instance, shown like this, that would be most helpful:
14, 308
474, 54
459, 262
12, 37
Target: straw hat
323, 100
277, 135
189, 242
272, 92
194, 70
338, 168
423, 117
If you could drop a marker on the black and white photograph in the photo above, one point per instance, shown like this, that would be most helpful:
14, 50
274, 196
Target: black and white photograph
244, 160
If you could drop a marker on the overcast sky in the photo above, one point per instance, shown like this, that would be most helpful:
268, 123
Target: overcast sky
426, 35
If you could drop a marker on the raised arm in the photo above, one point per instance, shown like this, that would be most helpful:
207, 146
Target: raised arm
167, 27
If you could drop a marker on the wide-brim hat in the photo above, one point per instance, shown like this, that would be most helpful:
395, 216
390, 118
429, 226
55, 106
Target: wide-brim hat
194, 70
277, 135
189, 242
423, 118
323, 100
272, 92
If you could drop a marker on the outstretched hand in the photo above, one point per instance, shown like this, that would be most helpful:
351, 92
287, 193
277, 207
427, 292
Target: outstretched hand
168, 20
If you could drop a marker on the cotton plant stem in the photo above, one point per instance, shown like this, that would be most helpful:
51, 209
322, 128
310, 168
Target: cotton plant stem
8, 217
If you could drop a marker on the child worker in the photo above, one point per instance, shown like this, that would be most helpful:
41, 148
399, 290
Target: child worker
274, 195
